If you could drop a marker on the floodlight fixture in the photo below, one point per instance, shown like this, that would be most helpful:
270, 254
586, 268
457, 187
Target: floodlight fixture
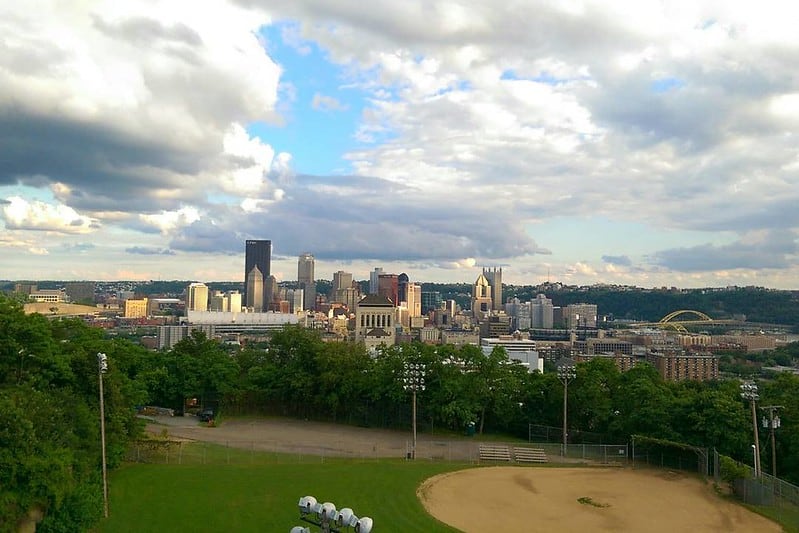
325, 516
306, 505
749, 392
327, 512
102, 362
343, 517
567, 371
413, 380
364, 525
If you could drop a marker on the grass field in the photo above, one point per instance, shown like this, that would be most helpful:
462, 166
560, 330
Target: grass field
226, 489
263, 497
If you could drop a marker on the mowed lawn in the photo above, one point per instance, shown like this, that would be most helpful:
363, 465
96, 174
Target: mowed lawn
263, 497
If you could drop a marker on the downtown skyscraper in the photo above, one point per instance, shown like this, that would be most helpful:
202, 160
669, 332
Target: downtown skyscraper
257, 269
305, 280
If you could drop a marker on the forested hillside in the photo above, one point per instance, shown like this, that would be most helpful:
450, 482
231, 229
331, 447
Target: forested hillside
49, 418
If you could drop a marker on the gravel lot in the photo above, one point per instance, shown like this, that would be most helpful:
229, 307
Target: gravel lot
292, 436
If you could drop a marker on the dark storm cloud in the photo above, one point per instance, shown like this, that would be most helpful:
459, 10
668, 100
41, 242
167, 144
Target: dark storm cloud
772, 251
105, 169
618, 260
349, 217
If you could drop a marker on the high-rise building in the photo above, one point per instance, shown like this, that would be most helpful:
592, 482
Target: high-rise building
431, 300
305, 280
342, 280
494, 277
542, 312
402, 288
254, 290
271, 294
387, 286
343, 290
257, 255
414, 299
197, 297
519, 312
374, 280
580, 316
481, 297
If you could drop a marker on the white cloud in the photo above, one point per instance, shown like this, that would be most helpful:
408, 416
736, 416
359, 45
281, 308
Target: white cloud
140, 99
21, 214
678, 116
169, 221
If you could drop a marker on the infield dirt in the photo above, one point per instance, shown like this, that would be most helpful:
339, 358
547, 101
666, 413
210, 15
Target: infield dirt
583, 499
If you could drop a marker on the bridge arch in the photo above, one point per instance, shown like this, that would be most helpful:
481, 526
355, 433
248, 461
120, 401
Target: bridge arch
668, 318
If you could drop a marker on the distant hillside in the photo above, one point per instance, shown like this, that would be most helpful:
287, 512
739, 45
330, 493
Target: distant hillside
757, 304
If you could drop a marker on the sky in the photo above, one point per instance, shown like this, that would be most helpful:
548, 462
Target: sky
647, 143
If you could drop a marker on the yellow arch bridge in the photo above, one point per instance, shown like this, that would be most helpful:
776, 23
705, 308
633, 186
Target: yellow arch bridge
676, 320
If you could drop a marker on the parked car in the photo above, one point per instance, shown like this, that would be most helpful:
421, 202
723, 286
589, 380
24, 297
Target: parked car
206, 415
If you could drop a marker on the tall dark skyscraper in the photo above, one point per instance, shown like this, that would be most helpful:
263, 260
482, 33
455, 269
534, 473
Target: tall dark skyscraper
257, 269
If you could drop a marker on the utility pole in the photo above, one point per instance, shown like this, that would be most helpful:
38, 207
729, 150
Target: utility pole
771, 423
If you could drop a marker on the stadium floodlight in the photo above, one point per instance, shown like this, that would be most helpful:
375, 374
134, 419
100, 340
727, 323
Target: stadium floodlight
364, 525
566, 372
344, 517
413, 380
327, 512
749, 392
307, 505
102, 368
325, 516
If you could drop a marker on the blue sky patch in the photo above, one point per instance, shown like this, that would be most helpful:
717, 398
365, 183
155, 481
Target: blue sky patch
664, 85
321, 109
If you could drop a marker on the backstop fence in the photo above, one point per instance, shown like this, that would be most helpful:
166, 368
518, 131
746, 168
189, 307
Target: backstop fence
671, 455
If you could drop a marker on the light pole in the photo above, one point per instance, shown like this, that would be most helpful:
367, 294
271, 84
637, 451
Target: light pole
771, 423
749, 392
413, 380
566, 373
102, 366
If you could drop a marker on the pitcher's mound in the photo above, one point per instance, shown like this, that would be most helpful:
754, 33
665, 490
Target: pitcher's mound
582, 499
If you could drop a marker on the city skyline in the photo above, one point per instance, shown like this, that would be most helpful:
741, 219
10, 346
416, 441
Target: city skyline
639, 143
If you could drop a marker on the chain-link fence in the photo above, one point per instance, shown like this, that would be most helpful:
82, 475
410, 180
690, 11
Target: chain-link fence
647, 451
186, 452
772, 496
541, 433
